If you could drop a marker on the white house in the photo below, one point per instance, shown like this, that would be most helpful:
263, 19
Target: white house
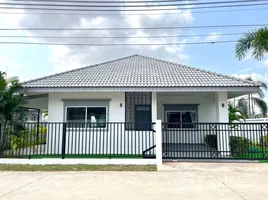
135, 90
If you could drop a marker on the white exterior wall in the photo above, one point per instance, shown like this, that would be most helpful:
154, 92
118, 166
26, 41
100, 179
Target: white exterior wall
206, 113
206, 101
116, 113
114, 140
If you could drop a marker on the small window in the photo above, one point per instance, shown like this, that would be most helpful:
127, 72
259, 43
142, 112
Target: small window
94, 116
181, 119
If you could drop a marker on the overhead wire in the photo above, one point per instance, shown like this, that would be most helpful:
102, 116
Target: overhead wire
133, 14
127, 6
110, 37
118, 44
80, 1
133, 10
136, 28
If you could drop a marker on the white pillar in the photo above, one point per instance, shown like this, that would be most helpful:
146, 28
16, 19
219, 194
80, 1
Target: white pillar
158, 138
222, 116
221, 101
154, 106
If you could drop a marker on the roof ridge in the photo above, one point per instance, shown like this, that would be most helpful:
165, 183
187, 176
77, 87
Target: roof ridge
203, 70
78, 69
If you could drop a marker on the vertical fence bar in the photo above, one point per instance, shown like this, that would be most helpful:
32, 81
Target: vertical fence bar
63, 141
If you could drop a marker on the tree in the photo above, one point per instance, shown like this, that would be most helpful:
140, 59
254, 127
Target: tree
256, 40
234, 114
10, 98
247, 105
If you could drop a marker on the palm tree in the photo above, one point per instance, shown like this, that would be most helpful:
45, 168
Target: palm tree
234, 114
256, 40
246, 105
10, 99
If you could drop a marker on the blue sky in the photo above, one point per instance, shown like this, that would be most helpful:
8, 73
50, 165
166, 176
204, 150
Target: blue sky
30, 61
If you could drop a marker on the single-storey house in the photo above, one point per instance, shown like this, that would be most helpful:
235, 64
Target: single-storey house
131, 92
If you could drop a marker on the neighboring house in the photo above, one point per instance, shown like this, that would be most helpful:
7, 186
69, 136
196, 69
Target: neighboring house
136, 90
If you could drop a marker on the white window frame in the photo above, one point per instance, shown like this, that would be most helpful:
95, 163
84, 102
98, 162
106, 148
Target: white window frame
66, 107
170, 111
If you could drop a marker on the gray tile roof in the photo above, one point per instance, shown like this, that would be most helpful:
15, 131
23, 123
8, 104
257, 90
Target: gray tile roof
137, 71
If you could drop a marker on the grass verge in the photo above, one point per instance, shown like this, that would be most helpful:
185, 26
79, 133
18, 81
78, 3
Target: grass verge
8, 167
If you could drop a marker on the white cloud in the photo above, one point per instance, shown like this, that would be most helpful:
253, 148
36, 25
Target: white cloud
69, 57
254, 76
245, 70
212, 37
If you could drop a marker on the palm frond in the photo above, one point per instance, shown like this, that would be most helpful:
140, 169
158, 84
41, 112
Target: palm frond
260, 44
242, 105
245, 44
262, 105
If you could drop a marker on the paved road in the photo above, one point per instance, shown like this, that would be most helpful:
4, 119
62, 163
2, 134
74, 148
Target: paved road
176, 181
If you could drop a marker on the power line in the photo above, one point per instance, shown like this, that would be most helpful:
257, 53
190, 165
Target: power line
142, 28
65, 1
131, 10
130, 14
121, 44
111, 37
127, 6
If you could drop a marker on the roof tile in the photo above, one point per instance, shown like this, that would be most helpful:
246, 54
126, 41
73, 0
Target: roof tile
138, 71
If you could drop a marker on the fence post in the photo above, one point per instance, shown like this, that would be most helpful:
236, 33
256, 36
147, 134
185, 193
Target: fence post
158, 139
63, 144
262, 140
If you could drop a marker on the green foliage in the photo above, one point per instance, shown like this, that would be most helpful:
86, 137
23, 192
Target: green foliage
3, 142
239, 145
234, 113
28, 138
257, 41
211, 140
264, 140
247, 105
10, 98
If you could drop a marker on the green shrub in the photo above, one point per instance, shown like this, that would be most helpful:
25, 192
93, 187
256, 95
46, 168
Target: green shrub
239, 145
28, 138
264, 141
24, 139
211, 140
3, 142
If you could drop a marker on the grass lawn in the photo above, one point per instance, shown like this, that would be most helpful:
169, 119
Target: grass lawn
254, 152
7, 167
263, 161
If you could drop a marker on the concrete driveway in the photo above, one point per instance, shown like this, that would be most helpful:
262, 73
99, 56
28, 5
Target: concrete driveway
176, 181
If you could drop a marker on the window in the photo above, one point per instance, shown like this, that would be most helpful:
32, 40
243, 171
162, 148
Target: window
181, 119
95, 116
143, 117
138, 110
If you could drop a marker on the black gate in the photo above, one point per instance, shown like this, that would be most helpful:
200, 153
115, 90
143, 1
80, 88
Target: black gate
247, 141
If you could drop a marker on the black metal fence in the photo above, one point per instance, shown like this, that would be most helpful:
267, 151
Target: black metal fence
114, 140
77, 140
215, 141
